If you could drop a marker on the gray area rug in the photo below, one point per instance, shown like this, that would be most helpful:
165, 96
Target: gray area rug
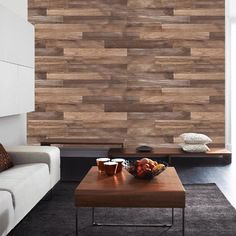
207, 213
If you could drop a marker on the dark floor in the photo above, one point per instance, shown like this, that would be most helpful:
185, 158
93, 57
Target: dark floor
214, 171
207, 213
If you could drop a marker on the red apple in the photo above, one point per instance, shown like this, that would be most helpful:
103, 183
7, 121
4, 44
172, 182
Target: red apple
144, 161
139, 168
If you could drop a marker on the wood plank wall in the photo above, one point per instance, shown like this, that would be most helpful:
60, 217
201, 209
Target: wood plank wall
145, 71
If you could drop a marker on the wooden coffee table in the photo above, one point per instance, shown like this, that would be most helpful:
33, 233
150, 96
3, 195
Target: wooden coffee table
123, 190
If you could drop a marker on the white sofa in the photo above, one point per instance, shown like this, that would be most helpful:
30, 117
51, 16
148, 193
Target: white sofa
36, 170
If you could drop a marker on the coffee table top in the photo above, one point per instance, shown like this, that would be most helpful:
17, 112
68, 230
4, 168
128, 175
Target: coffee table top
123, 190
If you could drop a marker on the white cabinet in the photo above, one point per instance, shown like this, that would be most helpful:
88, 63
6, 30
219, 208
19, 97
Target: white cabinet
8, 89
16, 39
26, 89
19, 7
16, 62
16, 89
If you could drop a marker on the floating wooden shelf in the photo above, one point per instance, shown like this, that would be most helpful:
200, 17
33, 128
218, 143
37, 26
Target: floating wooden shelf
170, 153
116, 149
82, 142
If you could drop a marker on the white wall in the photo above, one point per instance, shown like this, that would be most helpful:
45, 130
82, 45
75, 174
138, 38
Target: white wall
230, 74
233, 83
232, 8
13, 128
227, 76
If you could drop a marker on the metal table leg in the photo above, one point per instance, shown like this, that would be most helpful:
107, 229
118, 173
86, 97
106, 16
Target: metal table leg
93, 217
94, 223
183, 221
130, 225
172, 220
76, 222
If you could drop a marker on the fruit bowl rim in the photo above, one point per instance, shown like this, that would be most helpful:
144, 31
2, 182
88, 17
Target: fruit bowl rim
128, 163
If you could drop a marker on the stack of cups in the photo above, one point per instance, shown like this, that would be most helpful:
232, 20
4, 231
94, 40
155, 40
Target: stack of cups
110, 167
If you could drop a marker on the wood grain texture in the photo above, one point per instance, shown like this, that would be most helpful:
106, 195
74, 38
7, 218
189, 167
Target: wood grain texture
141, 71
122, 190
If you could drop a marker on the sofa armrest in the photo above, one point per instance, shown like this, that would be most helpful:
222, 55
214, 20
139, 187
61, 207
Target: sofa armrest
38, 154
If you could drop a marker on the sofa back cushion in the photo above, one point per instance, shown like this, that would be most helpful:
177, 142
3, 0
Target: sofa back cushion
5, 159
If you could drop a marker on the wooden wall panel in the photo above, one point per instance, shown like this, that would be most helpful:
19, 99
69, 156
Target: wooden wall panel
144, 71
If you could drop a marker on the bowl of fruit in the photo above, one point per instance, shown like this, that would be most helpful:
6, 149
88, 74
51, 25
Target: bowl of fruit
145, 168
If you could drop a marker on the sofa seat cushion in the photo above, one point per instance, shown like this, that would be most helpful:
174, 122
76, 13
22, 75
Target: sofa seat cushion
6, 212
27, 184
